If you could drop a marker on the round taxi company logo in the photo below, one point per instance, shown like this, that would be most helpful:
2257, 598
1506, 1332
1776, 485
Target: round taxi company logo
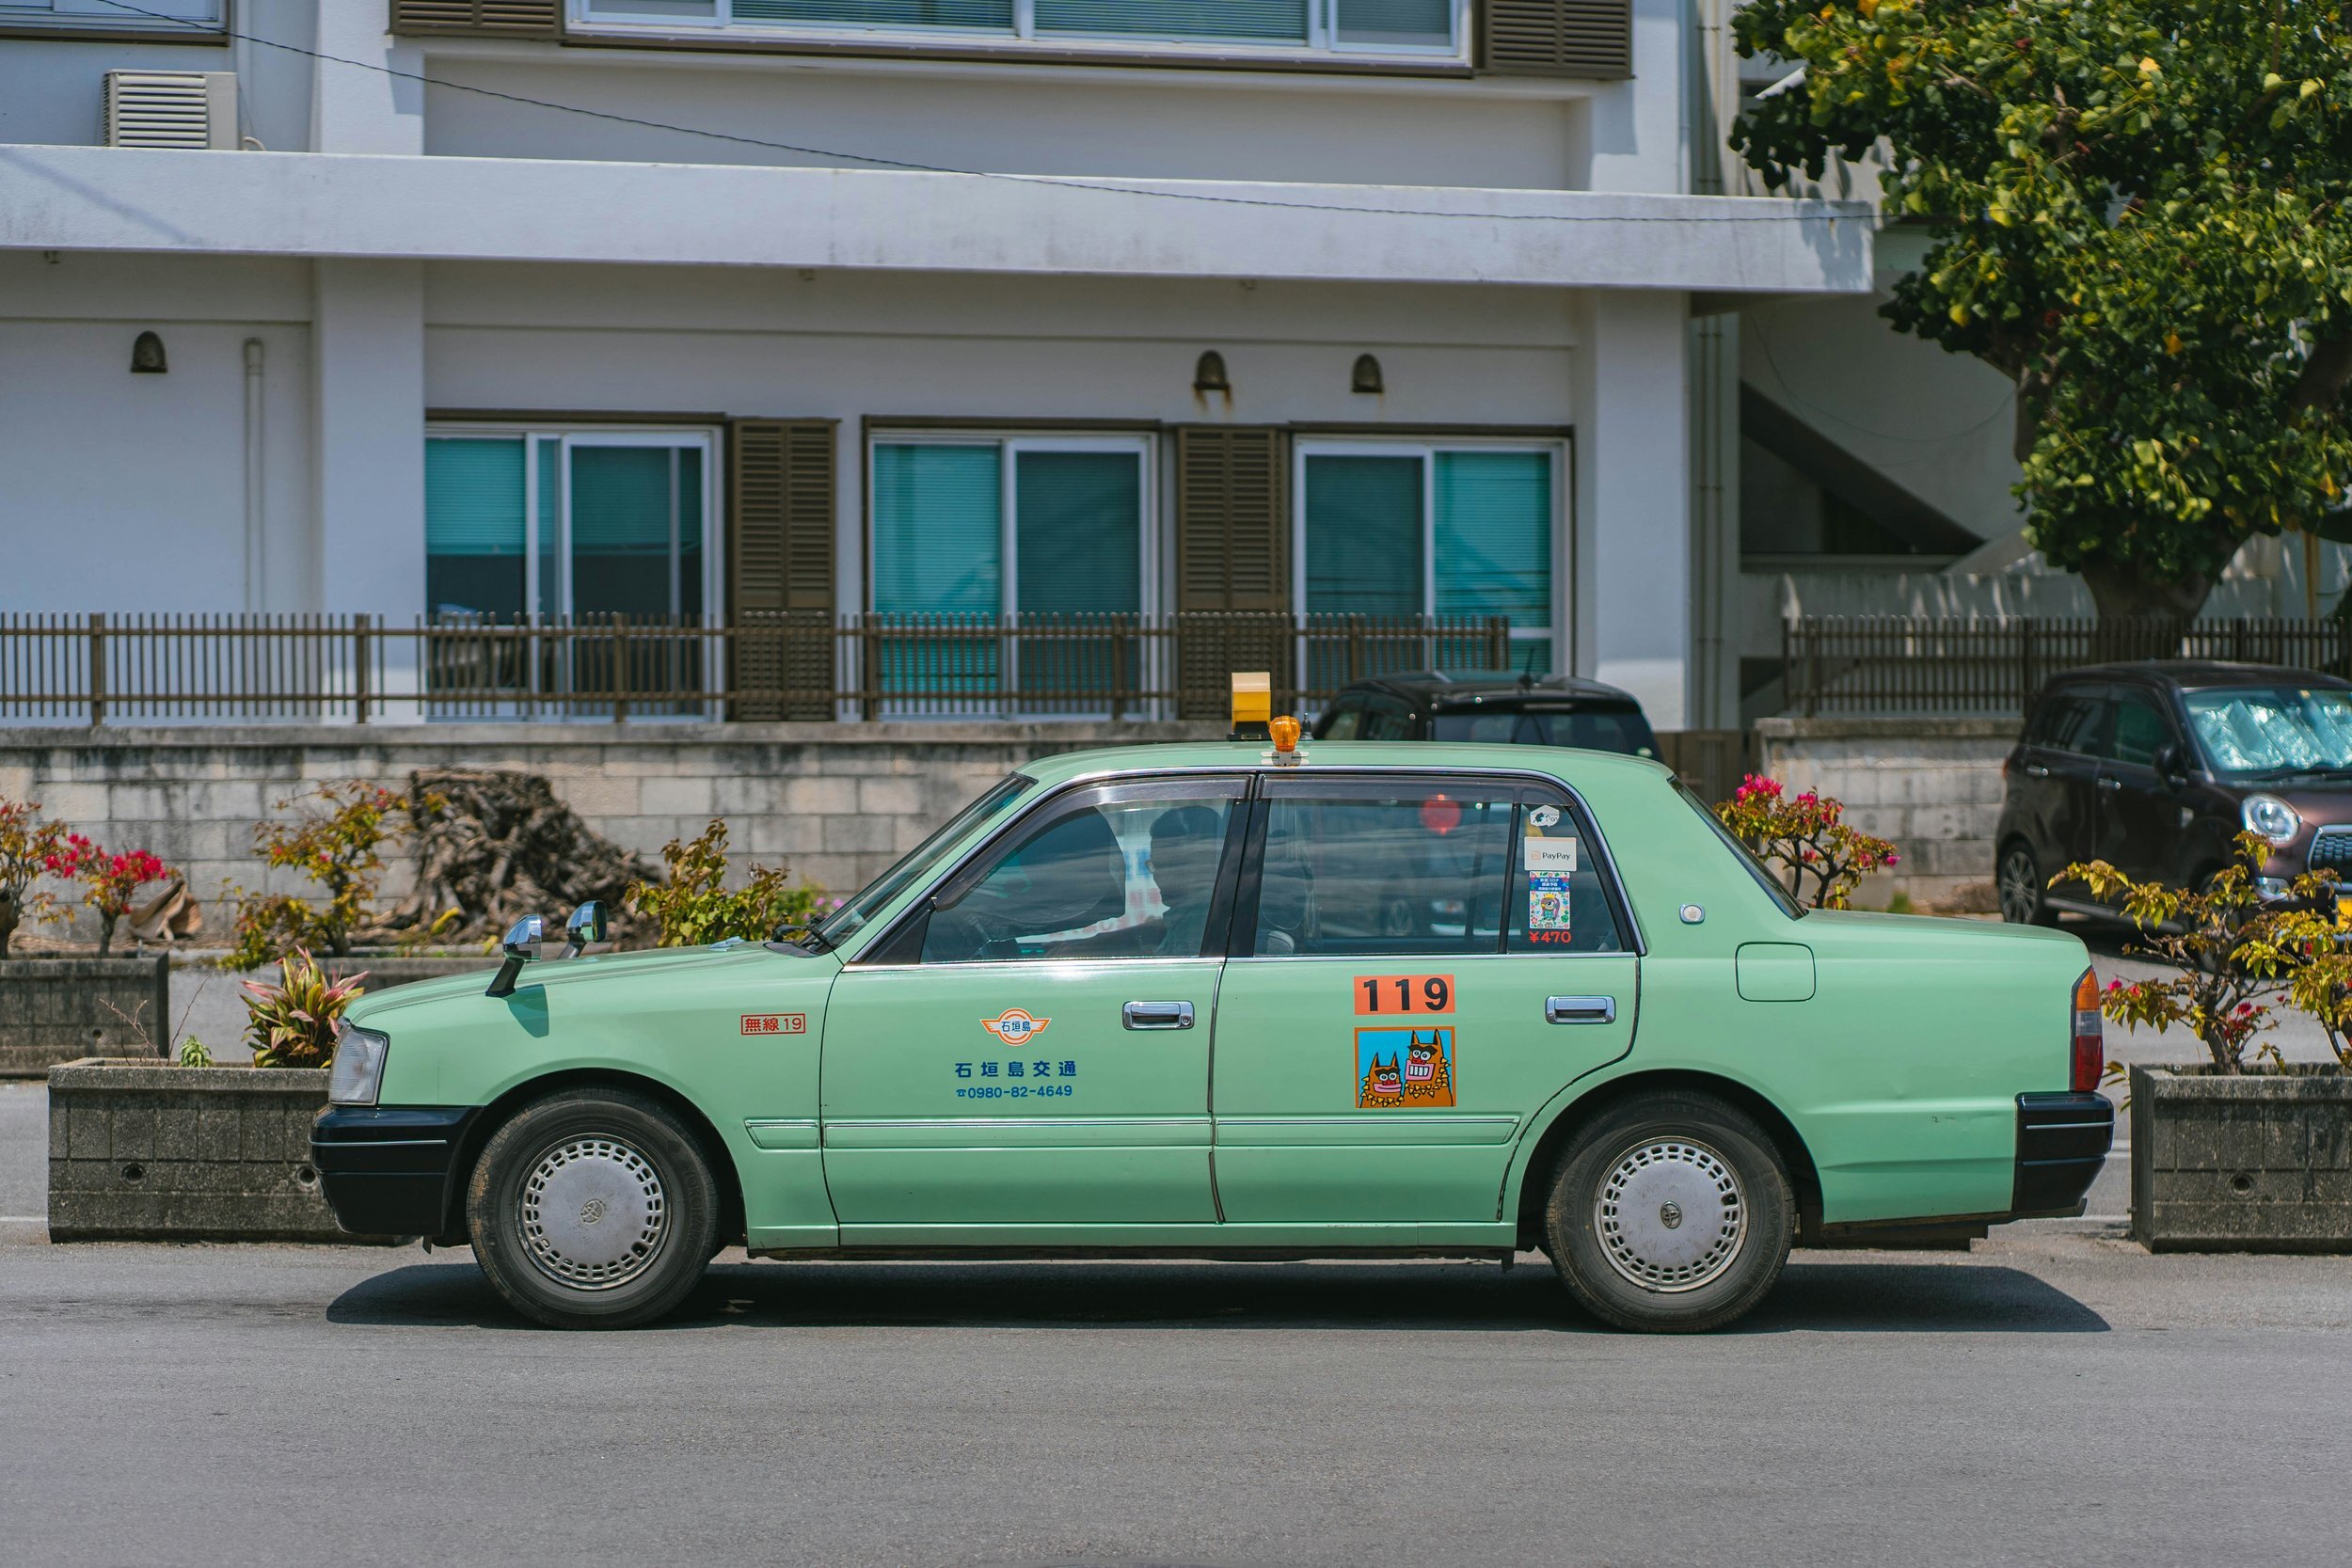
1015, 1026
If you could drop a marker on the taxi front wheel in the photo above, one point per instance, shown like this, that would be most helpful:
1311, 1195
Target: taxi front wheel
1670, 1213
592, 1208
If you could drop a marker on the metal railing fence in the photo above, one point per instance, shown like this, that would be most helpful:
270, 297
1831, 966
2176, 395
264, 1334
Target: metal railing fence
799, 665
1895, 664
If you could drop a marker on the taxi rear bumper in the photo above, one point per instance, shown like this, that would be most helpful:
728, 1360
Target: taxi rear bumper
390, 1171
2062, 1145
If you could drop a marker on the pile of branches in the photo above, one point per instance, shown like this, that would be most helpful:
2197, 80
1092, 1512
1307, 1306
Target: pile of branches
493, 847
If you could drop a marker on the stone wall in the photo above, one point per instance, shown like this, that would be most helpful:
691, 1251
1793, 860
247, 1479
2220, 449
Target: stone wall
58, 1009
835, 802
1932, 786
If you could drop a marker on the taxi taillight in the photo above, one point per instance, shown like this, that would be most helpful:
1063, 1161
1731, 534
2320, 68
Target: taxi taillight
2090, 1040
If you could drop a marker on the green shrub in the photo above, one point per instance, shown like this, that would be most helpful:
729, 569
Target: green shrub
692, 905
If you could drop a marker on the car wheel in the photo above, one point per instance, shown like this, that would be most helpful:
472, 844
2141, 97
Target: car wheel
1670, 1213
592, 1208
2021, 891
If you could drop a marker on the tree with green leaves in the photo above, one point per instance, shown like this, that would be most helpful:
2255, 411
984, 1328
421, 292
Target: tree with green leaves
2135, 212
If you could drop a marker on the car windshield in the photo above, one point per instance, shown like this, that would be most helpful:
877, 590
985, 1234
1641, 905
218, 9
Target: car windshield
1593, 729
2272, 729
853, 917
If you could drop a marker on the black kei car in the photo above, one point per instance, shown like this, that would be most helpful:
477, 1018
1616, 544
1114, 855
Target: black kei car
1490, 706
2155, 766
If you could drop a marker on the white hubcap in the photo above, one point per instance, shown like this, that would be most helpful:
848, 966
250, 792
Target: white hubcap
593, 1213
1671, 1215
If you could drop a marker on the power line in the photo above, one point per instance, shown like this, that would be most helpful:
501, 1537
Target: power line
1076, 185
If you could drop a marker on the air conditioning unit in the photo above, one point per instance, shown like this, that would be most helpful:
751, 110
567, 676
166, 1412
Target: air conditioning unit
171, 108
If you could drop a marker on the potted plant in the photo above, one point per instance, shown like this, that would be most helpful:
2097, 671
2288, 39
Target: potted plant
692, 905
2242, 1151
148, 1150
57, 1007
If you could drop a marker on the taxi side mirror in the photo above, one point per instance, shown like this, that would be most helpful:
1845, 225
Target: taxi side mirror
521, 946
2171, 766
586, 925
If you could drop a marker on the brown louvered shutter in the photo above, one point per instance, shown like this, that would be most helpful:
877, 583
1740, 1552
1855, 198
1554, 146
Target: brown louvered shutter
1556, 37
1232, 561
780, 533
509, 18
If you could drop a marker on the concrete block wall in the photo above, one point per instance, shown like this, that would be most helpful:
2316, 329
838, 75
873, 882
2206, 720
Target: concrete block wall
837, 803
58, 1009
1932, 785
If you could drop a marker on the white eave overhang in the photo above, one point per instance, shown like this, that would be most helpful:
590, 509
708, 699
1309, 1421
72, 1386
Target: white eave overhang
90, 198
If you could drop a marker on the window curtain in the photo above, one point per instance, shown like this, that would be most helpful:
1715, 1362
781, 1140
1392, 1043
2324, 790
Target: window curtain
623, 499
1364, 535
1423, 23
938, 551
1492, 543
1078, 527
474, 526
881, 13
1255, 21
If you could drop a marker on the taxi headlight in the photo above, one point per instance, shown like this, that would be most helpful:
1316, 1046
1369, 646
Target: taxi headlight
2270, 816
358, 1070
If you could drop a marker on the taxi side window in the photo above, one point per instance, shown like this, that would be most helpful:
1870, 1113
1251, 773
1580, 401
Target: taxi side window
1347, 723
1559, 902
1383, 868
1126, 872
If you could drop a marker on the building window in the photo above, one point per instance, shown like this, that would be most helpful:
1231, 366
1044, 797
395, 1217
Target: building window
1423, 27
1394, 530
1054, 530
151, 16
568, 524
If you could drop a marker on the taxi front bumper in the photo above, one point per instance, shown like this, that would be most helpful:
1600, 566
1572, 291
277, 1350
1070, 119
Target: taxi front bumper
391, 1171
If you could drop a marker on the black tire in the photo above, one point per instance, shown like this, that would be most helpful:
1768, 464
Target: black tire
1683, 1158
2017, 880
577, 1160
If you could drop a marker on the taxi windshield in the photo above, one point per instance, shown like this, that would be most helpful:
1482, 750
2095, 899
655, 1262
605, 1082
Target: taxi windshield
2273, 731
853, 917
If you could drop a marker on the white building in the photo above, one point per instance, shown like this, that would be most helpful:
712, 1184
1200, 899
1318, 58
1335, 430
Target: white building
692, 307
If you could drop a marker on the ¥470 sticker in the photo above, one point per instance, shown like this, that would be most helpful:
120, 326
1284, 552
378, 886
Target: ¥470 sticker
1400, 995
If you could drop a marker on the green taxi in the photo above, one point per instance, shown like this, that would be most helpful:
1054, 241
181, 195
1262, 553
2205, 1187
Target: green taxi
1247, 1000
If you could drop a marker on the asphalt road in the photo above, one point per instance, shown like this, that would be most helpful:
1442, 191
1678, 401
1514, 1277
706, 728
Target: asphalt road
2058, 1401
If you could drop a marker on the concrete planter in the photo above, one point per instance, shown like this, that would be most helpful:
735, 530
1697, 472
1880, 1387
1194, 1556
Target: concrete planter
53, 1010
2258, 1163
140, 1151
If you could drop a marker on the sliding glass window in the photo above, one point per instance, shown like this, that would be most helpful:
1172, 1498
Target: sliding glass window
1407, 27
1388, 530
604, 527
992, 551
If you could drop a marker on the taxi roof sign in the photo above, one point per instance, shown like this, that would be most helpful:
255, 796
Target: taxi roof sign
1254, 705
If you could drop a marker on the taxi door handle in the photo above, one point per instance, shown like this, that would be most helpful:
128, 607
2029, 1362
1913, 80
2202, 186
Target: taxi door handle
1158, 1014
2110, 784
1580, 1010
2035, 771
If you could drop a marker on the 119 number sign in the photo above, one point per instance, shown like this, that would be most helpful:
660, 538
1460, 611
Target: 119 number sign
1403, 993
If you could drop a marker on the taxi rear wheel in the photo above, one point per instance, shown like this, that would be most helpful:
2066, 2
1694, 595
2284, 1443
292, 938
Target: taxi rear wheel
592, 1208
1670, 1213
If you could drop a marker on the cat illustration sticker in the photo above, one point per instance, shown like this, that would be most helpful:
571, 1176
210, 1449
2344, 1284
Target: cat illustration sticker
1404, 1069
